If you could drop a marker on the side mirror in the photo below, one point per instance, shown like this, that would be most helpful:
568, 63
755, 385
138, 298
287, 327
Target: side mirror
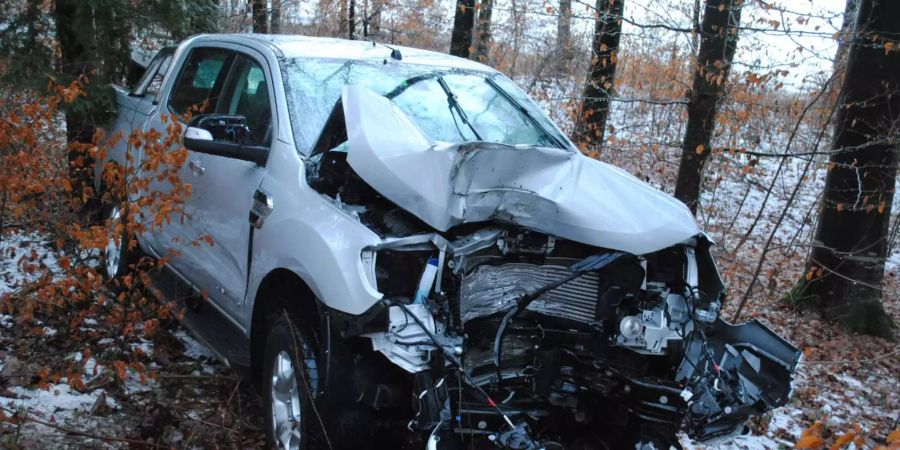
222, 135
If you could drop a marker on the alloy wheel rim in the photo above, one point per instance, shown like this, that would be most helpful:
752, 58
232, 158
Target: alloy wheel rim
114, 244
285, 403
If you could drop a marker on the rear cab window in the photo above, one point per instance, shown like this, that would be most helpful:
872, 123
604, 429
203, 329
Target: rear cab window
151, 80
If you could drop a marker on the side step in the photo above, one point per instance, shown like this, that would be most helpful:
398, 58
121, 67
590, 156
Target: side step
203, 320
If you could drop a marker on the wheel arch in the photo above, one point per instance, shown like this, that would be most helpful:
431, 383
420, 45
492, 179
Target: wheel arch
281, 289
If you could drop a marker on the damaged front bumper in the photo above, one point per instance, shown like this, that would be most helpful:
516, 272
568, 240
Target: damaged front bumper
630, 347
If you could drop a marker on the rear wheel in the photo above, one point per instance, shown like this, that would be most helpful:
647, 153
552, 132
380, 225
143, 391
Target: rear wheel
290, 383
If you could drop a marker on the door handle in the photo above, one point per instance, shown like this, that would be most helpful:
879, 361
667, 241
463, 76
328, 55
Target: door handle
196, 166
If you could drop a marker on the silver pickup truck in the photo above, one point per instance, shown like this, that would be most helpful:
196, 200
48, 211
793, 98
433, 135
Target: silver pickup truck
407, 253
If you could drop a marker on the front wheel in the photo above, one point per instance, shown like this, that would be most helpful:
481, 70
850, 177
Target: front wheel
290, 380
116, 256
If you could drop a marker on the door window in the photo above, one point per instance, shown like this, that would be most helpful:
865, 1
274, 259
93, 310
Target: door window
200, 83
247, 95
151, 80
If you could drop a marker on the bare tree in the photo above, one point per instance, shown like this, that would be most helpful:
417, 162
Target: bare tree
563, 37
343, 16
275, 19
374, 17
463, 23
259, 12
351, 20
845, 268
718, 40
591, 123
483, 45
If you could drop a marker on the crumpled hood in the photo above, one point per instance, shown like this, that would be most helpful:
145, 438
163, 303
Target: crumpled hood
554, 191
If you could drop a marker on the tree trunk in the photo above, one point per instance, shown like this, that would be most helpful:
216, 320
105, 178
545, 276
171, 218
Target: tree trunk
463, 23
375, 17
259, 12
351, 20
563, 38
74, 63
275, 26
695, 27
847, 28
845, 269
483, 48
718, 41
74, 60
343, 16
591, 122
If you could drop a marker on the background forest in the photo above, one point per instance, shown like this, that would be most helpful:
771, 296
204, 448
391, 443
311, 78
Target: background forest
774, 121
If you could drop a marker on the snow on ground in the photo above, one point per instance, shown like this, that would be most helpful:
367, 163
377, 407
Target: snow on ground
840, 401
59, 403
192, 347
15, 246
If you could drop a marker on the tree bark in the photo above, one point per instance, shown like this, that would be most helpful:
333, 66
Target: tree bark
845, 269
463, 23
343, 16
75, 61
259, 12
695, 27
564, 52
275, 25
351, 20
718, 40
374, 17
483, 47
590, 125
847, 28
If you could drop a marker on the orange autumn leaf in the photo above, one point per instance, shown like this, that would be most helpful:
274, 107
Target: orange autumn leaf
894, 437
809, 442
120, 368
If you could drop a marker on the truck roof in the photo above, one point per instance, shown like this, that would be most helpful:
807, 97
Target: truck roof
297, 46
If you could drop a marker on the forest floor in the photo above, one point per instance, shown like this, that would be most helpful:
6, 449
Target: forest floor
195, 402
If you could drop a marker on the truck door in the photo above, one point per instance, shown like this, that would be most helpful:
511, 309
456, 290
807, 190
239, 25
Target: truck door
196, 90
223, 189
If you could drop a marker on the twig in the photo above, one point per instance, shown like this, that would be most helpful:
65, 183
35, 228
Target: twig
858, 361
232, 430
188, 376
70, 431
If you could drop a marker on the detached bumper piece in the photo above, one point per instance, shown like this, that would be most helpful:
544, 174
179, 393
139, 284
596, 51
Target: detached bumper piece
733, 372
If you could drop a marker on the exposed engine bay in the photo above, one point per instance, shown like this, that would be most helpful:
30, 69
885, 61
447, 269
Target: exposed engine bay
511, 337
535, 342
517, 339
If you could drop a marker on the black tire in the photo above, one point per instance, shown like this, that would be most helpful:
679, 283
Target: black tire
289, 338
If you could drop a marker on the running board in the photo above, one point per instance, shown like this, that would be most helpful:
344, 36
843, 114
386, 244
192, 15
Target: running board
203, 320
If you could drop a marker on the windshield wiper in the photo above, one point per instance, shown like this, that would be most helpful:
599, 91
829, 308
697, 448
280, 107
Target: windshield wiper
525, 112
454, 105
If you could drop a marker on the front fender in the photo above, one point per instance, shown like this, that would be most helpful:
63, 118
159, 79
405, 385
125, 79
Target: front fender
314, 238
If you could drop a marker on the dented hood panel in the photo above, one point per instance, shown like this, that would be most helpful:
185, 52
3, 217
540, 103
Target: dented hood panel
554, 191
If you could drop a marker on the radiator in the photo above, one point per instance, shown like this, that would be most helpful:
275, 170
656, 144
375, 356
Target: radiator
490, 289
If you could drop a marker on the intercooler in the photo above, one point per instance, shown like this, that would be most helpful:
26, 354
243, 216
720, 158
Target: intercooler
490, 289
